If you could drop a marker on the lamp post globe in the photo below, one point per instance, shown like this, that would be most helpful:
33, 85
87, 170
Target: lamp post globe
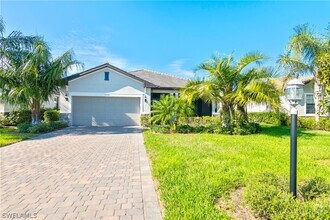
294, 93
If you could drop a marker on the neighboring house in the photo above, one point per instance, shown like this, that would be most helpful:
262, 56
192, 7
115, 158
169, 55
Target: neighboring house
108, 96
5, 108
306, 106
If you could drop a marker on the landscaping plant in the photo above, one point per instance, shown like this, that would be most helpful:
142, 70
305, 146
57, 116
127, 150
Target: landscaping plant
168, 111
29, 75
308, 53
234, 85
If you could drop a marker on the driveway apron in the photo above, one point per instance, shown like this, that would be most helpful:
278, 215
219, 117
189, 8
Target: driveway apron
78, 173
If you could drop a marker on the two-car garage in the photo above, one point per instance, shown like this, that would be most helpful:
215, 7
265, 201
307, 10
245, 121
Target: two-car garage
105, 111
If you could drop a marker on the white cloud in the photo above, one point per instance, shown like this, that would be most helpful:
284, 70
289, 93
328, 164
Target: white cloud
90, 50
176, 67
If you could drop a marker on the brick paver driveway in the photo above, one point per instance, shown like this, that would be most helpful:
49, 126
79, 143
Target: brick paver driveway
78, 173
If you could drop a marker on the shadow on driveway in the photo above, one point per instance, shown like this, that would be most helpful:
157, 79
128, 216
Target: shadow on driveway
85, 130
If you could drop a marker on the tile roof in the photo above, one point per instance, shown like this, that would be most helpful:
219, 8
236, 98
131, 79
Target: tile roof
160, 80
280, 82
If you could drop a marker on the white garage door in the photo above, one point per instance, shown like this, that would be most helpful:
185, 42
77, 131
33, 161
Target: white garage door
103, 111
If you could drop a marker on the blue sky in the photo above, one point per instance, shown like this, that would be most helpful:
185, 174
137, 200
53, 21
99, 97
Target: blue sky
172, 37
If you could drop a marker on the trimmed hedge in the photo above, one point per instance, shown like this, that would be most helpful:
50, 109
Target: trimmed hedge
275, 118
309, 123
281, 118
51, 115
268, 196
41, 128
233, 129
19, 116
200, 121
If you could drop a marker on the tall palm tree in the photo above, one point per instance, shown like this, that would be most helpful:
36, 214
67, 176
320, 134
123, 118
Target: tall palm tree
28, 73
233, 84
302, 53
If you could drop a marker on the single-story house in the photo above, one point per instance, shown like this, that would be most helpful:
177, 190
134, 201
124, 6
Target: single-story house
306, 107
108, 96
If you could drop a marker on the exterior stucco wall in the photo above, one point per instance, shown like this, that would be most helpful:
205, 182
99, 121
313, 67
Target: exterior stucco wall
254, 107
308, 89
147, 101
118, 85
2, 108
285, 105
95, 83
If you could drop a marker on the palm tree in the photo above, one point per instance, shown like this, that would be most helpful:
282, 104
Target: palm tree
303, 51
233, 84
168, 110
28, 73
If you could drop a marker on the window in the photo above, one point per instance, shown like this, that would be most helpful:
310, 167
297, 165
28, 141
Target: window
310, 104
106, 76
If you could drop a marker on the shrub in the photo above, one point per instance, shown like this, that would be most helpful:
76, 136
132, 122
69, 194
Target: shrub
145, 120
314, 188
57, 125
4, 120
275, 118
244, 128
51, 115
23, 127
27, 127
19, 116
41, 128
323, 124
169, 109
160, 128
267, 195
308, 123
196, 121
185, 129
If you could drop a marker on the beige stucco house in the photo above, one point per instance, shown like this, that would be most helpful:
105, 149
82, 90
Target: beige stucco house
306, 107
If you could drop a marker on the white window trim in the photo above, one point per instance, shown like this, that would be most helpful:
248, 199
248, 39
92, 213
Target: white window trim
305, 105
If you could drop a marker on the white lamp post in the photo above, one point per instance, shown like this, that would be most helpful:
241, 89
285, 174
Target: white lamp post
294, 93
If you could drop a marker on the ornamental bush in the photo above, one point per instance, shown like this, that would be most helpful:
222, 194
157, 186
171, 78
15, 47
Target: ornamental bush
51, 115
19, 116
27, 127
145, 120
268, 196
275, 118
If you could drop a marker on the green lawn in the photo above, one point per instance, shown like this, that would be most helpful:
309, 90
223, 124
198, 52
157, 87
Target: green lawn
192, 170
9, 135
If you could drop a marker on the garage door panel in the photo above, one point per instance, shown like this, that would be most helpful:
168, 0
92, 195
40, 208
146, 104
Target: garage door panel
104, 111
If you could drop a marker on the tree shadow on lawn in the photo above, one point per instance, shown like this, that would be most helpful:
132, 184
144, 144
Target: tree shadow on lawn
284, 131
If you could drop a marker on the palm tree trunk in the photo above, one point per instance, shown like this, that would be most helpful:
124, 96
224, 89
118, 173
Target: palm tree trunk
35, 110
242, 113
228, 114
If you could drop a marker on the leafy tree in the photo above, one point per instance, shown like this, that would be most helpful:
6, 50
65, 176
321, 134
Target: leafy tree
304, 54
168, 110
234, 84
28, 73
323, 74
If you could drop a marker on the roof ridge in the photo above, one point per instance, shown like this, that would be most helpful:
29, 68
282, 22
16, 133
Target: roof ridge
161, 73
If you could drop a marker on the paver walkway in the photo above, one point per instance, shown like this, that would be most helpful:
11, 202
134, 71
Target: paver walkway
78, 173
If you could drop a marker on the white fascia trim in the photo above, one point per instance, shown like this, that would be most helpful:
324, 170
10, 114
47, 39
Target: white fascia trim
91, 94
103, 70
